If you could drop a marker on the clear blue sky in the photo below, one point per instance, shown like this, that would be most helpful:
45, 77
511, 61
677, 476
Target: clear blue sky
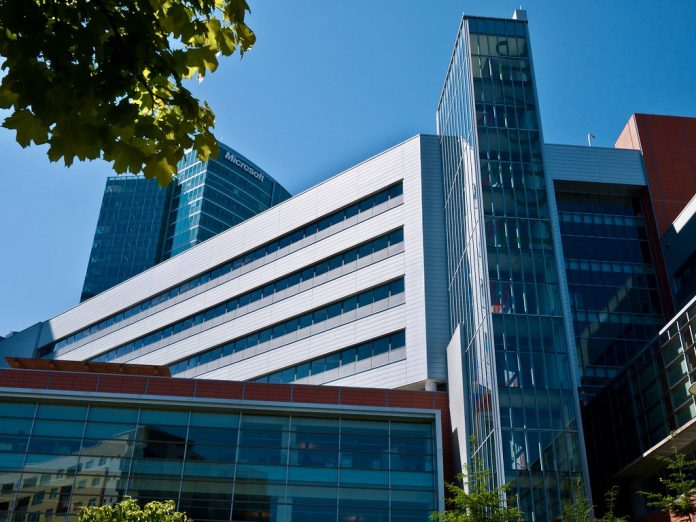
331, 83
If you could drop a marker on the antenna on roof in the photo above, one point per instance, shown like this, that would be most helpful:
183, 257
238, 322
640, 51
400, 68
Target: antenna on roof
590, 137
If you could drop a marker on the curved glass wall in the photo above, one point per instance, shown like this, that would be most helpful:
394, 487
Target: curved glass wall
216, 465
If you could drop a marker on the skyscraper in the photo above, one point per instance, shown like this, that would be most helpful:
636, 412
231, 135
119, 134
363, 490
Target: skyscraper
141, 224
513, 342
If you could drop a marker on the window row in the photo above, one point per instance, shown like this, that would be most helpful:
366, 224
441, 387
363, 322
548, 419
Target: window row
518, 233
509, 145
341, 311
274, 291
341, 358
340, 219
512, 175
489, 115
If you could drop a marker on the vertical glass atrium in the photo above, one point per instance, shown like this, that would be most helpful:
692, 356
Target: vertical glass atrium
520, 397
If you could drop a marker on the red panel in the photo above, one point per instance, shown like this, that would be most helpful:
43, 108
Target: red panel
73, 381
168, 386
316, 394
668, 144
409, 399
220, 389
122, 384
23, 379
260, 391
363, 397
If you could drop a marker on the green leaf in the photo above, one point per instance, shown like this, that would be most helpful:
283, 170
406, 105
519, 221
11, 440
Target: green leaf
100, 79
161, 170
29, 128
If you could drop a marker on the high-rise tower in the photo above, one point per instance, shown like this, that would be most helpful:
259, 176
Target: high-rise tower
512, 339
141, 224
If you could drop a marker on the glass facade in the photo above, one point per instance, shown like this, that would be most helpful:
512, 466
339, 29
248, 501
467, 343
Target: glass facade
611, 279
141, 224
645, 403
218, 465
210, 197
522, 406
127, 239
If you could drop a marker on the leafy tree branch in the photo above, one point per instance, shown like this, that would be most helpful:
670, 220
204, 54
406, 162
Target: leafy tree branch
105, 78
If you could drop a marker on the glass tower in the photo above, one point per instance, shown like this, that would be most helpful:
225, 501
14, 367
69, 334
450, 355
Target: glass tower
127, 239
141, 224
507, 295
212, 196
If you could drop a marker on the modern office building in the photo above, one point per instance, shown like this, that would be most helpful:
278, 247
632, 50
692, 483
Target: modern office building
141, 223
522, 277
78, 435
343, 284
128, 236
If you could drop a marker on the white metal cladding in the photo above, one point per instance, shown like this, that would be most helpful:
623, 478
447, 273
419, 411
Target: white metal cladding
422, 311
343, 240
334, 193
594, 164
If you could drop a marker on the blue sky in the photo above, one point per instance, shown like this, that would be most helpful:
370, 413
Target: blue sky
331, 83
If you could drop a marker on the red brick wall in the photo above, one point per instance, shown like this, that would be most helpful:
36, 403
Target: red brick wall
668, 144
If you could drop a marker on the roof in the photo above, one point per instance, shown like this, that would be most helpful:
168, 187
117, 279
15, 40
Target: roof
22, 363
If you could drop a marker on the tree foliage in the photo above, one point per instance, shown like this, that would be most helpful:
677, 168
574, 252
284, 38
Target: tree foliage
128, 510
104, 78
679, 497
580, 510
479, 501
610, 502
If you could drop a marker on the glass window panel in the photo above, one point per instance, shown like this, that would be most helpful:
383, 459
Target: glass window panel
164, 417
18, 409
54, 411
95, 430
214, 453
108, 414
15, 426
163, 467
58, 428
348, 356
311, 457
54, 445
163, 433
